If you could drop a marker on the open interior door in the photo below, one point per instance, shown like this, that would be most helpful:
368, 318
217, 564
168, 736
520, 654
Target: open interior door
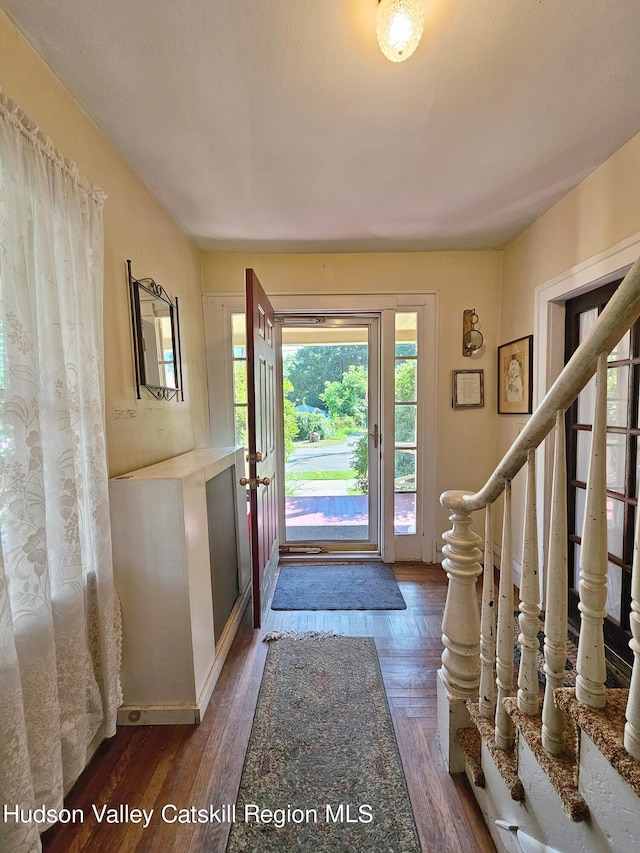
261, 410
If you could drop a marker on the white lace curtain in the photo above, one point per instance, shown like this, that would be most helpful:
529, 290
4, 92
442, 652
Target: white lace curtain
59, 637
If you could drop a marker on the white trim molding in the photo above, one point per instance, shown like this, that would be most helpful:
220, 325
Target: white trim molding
549, 320
218, 309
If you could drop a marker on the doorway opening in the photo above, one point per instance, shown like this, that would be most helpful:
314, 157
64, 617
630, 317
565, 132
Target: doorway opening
402, 392
331, 436
623, 468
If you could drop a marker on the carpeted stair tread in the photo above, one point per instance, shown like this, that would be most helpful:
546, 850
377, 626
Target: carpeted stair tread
605, 727
561, 770
505, 760
471, 744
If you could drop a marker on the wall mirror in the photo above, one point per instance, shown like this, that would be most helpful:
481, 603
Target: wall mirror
156, 339
472, 339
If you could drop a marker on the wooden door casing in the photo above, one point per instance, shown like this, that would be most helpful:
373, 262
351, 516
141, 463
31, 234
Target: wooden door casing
622, 495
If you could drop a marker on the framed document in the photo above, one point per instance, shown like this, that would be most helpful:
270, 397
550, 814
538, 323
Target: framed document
468, 389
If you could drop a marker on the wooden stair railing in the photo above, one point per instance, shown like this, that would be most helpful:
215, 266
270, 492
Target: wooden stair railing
476, 655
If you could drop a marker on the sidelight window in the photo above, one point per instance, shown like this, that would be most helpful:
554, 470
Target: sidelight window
406, 422
239, 343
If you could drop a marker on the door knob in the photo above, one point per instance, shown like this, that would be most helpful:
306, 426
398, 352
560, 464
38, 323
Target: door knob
253, 483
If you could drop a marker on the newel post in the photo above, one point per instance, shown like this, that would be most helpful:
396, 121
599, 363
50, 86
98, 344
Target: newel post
461, 620
459, 675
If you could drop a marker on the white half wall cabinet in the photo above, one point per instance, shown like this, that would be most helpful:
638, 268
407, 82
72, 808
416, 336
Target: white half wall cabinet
182, 572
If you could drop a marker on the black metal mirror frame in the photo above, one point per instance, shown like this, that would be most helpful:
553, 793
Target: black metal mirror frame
161, 392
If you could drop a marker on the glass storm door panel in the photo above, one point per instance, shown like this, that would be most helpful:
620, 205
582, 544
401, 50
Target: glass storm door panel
623, 377
331, 432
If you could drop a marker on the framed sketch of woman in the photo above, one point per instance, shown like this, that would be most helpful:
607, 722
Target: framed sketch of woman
515, 377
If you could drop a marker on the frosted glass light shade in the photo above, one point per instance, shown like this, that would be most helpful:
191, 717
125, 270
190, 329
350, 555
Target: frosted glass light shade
399, 27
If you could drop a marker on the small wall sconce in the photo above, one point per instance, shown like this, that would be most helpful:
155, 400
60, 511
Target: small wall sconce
472, 339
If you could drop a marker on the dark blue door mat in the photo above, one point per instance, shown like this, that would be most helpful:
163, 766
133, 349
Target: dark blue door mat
361, 586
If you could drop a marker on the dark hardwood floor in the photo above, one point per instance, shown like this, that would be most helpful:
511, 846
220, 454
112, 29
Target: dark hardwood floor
152, 766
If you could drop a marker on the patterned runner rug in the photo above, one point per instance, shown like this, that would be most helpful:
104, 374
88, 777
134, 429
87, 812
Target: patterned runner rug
322, 770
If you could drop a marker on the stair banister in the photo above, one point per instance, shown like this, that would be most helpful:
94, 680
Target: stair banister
616, 318
460, 671
468, 651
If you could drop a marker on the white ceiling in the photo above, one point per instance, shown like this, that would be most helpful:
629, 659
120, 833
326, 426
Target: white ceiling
277, 125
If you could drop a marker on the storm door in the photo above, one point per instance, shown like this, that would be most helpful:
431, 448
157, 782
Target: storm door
331, 433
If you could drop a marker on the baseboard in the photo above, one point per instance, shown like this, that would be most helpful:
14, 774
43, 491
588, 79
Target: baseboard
157, 715
267, 581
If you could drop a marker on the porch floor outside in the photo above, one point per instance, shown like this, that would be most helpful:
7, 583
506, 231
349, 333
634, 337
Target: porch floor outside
327, 517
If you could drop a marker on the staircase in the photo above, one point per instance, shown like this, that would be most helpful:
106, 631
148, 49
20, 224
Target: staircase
558, 771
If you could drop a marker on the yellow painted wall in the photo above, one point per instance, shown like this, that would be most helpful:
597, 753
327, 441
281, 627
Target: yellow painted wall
599, 213
139, 432
466, 439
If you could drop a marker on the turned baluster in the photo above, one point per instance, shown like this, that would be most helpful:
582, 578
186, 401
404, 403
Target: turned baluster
460, 669
504, 662
632, 726
488, 626
555, 641
592, 673
528, 701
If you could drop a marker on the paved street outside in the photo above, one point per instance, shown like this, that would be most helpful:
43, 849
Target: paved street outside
333, 457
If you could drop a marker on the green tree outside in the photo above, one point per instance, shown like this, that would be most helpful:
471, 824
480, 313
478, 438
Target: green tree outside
310, 367
240, 410
405, 428
290, 421
347, 398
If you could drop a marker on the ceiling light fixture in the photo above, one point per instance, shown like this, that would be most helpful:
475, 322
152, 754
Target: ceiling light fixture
399, 27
